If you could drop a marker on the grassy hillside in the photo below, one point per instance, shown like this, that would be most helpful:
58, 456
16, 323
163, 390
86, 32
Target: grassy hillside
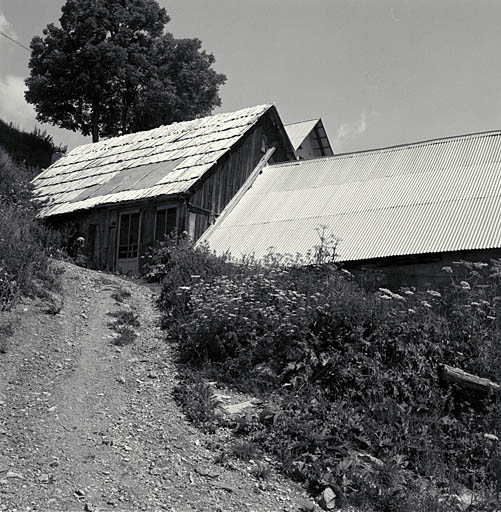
33, 150
353, 397
25, 243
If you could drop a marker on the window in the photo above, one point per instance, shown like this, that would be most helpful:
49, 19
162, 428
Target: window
128, 243
165, 223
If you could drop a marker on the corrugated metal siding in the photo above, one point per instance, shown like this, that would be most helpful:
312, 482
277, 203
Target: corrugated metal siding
435, 196
110, 171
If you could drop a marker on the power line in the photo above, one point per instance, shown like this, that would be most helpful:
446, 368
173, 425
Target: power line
14, 41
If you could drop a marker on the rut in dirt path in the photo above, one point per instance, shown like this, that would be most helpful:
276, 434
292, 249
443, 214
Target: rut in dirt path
86, 425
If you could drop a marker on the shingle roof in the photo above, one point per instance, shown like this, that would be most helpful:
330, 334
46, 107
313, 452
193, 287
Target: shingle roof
163, 161
434, 196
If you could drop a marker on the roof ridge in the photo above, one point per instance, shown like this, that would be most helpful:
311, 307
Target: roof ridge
98, 145
389, 148
305, 121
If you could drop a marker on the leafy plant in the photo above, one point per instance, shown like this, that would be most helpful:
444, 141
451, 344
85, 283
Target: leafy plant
125, 317
125, 335
124, 324
244, 450
198, 403
120, 295
26, 245
261, 471
351, 375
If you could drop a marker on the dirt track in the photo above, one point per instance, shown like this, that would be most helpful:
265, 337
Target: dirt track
85, 425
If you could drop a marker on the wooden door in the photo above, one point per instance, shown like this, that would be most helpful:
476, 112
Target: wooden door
129, 232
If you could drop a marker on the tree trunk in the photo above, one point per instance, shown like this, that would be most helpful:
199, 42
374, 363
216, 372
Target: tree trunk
95, 121
468, 380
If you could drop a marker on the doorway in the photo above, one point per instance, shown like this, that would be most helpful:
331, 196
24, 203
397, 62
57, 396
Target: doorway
129, 232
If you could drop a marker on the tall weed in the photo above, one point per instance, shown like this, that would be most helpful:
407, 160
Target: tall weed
354, 372
25, 243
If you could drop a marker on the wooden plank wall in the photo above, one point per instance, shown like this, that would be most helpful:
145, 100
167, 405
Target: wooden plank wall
221, 184
100, 229
211, 194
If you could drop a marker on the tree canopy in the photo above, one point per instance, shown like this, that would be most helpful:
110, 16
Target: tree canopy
111, 68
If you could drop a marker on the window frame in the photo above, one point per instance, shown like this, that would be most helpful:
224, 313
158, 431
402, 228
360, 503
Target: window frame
164, 208
129, 252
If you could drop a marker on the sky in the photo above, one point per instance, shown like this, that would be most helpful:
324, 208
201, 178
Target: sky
378, 73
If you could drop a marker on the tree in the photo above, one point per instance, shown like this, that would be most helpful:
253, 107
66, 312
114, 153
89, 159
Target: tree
110, 69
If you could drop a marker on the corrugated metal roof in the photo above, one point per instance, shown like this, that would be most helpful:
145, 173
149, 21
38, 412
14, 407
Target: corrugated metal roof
434, 196
297, 132
165, 160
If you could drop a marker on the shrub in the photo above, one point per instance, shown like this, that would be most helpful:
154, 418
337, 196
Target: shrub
125, 317
124, 324
125, 335
244, 450
25, 243
120, 295
177, 263
261, 471
198, 402
354, 371
31, 150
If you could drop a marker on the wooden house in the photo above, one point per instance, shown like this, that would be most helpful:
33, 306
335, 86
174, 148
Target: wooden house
125, 193
405, 211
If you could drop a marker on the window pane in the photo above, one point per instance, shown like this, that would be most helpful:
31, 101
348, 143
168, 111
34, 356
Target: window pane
124, 236
171, 220
160, 225
134, 235
129, 236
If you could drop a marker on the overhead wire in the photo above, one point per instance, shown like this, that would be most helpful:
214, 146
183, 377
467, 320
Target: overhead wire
14, 41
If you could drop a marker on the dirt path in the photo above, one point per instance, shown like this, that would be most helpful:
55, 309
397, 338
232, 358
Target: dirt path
85, 425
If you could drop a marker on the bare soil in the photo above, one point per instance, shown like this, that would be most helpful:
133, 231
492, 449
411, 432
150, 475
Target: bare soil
86, 425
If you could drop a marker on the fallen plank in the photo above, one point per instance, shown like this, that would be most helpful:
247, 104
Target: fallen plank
468, 380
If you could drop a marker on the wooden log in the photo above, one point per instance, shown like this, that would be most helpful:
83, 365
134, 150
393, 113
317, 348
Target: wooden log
468, 380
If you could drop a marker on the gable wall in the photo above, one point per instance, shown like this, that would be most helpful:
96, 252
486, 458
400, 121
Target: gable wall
307, 151
218, 187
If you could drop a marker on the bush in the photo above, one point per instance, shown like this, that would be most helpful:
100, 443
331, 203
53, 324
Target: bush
177, 263
198, 402
120, 295
25, 243
353, 371
125, 317
124, 326
31, 150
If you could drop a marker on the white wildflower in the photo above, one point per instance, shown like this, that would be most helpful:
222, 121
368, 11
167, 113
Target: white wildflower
388, 294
